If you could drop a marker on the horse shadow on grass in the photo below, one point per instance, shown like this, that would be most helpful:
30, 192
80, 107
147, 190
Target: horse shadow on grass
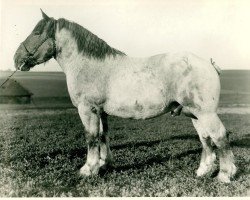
154, 160
241, 143
154, 142
157, 159
79, 152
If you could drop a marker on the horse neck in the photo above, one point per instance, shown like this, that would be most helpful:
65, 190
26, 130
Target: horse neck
73, 61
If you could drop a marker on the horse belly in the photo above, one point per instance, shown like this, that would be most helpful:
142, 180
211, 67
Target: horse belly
137, 97
135, 109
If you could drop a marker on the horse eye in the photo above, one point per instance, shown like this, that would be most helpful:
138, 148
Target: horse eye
36, 33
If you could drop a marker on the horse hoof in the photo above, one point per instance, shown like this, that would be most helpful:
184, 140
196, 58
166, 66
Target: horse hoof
86, 171
104, 165
204, 170
223, 177
200, 172
233, 170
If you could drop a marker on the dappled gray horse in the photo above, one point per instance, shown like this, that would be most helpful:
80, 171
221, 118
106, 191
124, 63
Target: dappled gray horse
104, 81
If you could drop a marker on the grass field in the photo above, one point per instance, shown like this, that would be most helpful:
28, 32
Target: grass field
43, 150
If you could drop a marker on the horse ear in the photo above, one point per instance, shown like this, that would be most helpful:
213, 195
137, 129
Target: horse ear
44, 15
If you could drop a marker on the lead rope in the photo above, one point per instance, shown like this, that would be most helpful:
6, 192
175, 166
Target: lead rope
8, 78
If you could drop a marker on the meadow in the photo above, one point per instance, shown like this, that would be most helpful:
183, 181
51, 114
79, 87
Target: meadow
43, 147
43, 150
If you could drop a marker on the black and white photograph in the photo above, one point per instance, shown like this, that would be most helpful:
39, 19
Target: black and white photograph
124, 98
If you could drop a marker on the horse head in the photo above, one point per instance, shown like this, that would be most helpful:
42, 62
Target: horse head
39, 46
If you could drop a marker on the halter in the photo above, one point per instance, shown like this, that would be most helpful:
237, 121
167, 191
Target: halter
30, 54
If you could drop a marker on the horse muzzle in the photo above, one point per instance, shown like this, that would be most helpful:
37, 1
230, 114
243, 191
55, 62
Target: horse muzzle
23, 61
24, 66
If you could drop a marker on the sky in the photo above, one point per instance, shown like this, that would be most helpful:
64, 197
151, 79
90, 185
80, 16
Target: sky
217, 29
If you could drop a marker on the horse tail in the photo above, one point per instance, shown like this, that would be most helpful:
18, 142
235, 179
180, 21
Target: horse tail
217, 68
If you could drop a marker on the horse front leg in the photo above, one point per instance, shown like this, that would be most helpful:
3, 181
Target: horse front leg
90, 119
106, 157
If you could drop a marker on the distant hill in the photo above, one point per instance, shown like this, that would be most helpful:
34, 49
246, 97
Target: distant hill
41, 84
49, 88
52, 87
235, 81
235, 85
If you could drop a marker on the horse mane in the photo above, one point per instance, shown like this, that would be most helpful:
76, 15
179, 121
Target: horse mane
88, 43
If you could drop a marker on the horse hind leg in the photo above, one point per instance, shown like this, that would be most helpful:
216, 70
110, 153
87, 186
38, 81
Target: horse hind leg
208, 156
213, 126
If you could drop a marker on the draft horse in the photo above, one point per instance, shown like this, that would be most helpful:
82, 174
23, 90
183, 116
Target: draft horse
103, 81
